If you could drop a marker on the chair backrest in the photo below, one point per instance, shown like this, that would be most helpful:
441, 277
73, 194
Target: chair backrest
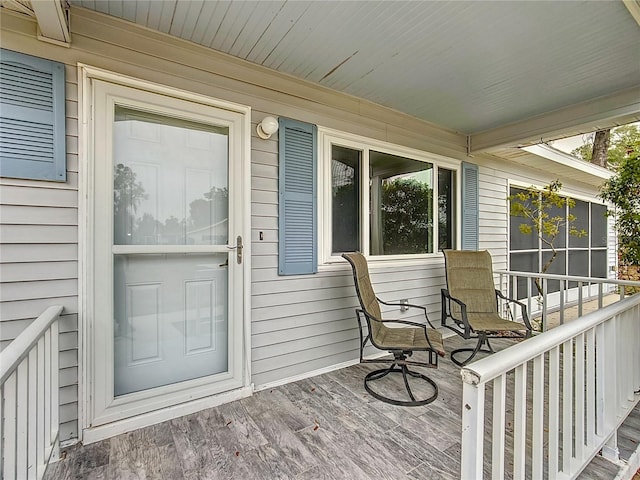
364, 290
470, 279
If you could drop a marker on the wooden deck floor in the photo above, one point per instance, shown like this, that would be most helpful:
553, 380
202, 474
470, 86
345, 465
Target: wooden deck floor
326, 427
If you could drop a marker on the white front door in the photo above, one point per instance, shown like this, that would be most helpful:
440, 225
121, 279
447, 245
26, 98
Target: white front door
166, 316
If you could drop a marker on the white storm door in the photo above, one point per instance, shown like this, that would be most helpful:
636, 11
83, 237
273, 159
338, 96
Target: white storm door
167, 302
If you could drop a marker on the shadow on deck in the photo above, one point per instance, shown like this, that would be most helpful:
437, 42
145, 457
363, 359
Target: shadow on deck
322, 427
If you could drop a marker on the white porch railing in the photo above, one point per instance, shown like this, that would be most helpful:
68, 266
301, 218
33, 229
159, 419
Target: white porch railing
584, 381
29, 399
572, 291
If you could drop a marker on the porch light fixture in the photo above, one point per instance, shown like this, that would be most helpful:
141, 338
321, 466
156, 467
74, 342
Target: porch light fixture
267, 127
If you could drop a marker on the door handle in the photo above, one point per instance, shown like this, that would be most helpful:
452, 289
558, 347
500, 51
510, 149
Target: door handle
239, 249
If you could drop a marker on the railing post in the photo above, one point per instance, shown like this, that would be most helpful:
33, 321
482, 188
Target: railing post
472, 430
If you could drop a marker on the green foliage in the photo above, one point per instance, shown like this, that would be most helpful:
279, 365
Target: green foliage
535, 207
623, 191
624, 141
406, 216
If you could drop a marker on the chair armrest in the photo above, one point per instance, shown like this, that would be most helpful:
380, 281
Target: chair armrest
408, 305
523, 308
447, 298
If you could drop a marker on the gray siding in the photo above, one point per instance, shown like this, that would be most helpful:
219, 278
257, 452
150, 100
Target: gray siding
299, 324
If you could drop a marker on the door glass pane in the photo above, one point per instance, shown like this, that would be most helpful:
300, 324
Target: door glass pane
170, 184
345, 199
401, 205
170, 319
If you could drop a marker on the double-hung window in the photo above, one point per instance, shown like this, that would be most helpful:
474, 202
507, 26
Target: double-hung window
385, 201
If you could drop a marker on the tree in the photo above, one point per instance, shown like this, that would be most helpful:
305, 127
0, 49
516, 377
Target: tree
600, 147
623, 191
536, 207
406, 216
623, 140
127, 195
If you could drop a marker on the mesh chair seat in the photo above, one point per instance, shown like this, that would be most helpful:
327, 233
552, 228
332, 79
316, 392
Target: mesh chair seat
408, 338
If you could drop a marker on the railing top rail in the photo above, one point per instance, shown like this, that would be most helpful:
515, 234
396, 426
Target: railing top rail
572, 278
19, 348
503, 361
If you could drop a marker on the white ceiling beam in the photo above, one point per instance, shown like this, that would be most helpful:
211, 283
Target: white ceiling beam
603, 112
53, 21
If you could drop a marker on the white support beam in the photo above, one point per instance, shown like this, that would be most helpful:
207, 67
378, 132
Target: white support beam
603, 112
53, 21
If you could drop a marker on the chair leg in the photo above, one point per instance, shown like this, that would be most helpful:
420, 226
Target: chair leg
398, 367
482, 339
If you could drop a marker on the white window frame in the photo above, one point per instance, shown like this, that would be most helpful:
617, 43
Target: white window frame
326, 139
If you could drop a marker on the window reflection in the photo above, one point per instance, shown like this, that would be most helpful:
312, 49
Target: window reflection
401, 205
345, 199
170, 182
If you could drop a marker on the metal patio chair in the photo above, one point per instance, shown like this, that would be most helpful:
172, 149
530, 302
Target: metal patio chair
471, 302
402, 340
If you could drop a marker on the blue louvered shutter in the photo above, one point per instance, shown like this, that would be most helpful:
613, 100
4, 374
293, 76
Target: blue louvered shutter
470, 200
297, 155
32, 117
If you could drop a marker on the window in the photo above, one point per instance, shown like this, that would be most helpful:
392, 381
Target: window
384, 201
584, 256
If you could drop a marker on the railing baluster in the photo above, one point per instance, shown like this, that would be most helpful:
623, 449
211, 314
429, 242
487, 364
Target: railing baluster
562, 290
499, 422
600, 295
47, 390
529, 296
544, 305
580, 285
32, 382
520, 421
10, 420
579, 383
537, 459
591, 386
22, 412
41, 441
554, 410
55, 390
567, 406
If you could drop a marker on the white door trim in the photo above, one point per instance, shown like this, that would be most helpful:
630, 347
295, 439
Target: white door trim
86, 76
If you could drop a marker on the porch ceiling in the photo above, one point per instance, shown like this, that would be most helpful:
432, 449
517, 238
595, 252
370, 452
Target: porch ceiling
467, 66
505, 73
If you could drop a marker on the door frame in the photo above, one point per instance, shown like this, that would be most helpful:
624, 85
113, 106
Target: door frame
87, 432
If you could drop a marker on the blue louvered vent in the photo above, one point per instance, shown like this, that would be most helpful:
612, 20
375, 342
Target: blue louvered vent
297, 249
32, 117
